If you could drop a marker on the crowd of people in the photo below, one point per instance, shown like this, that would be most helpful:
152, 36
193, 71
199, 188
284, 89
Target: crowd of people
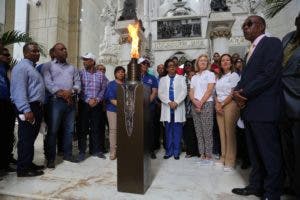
232, 108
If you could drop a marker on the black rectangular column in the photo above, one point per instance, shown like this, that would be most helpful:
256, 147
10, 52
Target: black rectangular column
133, 161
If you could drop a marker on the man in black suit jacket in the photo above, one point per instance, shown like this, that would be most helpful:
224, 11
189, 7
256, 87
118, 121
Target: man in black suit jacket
290, 123
259, 94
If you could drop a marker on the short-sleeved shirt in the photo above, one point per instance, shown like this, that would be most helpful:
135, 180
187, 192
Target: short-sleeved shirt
150, 81
225, 85
200, 82
111, 94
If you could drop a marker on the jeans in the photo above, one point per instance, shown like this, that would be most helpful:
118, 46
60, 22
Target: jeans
60, 115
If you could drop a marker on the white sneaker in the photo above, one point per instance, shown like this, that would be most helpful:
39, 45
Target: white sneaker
218, 163
228, 169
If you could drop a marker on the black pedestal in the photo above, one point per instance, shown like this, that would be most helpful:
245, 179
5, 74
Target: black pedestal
133, 161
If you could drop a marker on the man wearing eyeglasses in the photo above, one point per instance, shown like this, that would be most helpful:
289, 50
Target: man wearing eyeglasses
7, 116
259, 95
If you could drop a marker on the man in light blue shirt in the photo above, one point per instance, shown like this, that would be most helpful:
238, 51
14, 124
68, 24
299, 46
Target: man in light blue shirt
62, 80
28, 94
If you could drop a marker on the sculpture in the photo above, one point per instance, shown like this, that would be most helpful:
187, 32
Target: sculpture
129, 11
219, 5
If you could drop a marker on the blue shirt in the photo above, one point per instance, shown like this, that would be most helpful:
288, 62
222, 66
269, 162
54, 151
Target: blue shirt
61, 76
40, 68
4, 83
111, 94
150, 81
27, 85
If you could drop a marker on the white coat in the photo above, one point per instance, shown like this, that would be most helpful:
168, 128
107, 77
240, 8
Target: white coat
180, 92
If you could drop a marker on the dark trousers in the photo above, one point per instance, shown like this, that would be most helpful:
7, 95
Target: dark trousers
103, 121
7, 124
242, 150
151, 126
158, 128
290, 140
216, 137
90, 123
27, 134
265, 155
190, 138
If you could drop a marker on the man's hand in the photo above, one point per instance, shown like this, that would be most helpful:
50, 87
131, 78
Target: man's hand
239, 99
93, 102
66, 95
29, 116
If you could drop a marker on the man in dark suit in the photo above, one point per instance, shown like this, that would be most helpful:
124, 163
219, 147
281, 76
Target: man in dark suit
290, 123
259, 94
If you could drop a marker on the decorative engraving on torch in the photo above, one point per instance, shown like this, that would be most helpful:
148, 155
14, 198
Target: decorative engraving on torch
129, 105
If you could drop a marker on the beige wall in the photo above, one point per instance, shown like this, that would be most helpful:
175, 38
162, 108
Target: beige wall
9, 18
56, 21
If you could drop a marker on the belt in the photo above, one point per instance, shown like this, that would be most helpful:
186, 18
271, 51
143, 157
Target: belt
36, 103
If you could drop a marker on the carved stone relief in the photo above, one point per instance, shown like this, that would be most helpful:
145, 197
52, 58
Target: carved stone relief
180, 44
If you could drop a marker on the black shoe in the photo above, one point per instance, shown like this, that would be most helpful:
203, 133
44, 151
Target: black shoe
60, 153
167, 157
245, 165
247, 191
13, 161
51, 164
70, 159
36, 167
99, 155
152, 155
176, 157
29, 173
9, 169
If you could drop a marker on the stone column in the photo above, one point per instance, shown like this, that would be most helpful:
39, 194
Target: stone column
220, 39
219, 31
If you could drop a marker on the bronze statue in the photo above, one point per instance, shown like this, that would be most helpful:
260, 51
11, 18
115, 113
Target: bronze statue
219, 5
129, 11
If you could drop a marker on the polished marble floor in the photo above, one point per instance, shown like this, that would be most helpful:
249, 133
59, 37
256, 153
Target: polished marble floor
95, 179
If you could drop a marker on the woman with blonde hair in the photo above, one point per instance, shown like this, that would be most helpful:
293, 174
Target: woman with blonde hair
202, 86
227, 112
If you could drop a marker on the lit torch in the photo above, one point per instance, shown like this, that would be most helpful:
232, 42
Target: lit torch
132, 68
133, 33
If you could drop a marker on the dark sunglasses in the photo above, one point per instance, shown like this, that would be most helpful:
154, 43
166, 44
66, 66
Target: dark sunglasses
6, 54
248, 23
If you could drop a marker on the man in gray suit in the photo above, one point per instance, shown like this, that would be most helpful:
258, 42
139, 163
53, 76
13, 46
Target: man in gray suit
290, 124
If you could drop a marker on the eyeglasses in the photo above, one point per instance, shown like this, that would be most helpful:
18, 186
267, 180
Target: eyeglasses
6, 54
248, 23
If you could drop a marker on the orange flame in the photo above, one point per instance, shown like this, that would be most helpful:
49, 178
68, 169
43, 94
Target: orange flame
133, 32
